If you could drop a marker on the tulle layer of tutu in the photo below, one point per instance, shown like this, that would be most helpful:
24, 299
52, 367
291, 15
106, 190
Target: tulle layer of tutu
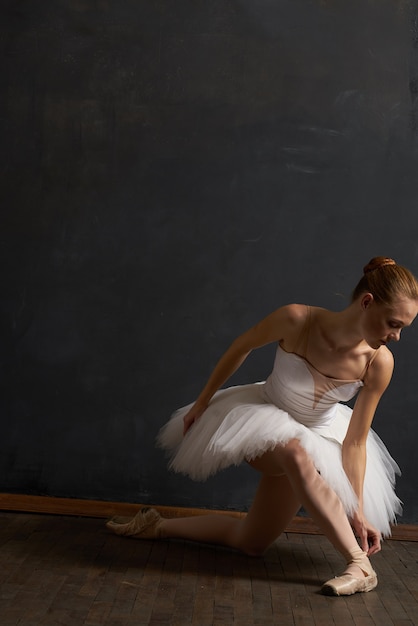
240, 425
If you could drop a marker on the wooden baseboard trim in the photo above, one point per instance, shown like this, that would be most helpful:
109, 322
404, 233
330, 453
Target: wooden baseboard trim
102, 509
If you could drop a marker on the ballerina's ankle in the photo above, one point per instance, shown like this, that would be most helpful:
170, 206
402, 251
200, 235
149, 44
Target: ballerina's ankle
357, 558
358, 577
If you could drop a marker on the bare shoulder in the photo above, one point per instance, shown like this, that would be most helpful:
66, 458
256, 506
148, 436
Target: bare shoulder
286, 322
381, 369
280, 325
383, 360
288, 317
293, 314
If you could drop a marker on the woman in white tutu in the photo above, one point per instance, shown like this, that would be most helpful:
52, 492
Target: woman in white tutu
309, 448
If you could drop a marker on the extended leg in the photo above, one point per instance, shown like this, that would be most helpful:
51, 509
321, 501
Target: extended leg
273, 507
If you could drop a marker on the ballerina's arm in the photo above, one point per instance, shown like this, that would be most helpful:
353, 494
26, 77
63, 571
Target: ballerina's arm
278, 325
354, 445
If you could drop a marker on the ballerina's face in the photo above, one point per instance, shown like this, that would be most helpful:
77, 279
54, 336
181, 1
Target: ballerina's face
384, 323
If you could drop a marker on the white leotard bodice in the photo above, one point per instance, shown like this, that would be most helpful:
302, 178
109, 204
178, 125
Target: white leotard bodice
309, 396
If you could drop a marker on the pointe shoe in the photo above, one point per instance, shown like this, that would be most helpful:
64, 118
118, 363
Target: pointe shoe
119, 520
145, 525
347, 584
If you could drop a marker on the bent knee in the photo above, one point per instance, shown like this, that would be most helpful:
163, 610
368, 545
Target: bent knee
295, 456
250, 549
283, 459
250, 543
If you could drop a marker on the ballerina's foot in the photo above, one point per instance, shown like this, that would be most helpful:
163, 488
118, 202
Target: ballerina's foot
145, 525
119, 520
347, 584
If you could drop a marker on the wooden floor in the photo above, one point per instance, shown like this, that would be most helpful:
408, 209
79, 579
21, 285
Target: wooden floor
72, 571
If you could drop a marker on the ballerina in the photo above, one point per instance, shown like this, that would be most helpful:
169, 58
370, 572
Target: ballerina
310, 449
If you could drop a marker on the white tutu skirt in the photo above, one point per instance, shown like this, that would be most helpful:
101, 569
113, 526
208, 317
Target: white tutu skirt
240, 425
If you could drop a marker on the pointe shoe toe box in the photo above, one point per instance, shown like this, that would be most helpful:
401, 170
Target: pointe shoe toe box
347, 585
145, 525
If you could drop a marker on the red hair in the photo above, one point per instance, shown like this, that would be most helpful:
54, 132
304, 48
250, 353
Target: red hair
386, 281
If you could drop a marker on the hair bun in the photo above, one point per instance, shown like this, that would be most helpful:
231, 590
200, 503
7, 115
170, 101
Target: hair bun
378, 262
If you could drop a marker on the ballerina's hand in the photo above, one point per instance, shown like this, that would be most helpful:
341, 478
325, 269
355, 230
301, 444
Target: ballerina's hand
192, 416
369, 536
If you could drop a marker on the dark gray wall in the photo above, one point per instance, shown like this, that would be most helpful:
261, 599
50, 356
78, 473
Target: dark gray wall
171, 173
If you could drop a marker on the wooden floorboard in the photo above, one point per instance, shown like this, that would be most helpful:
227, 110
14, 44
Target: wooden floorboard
71, 571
